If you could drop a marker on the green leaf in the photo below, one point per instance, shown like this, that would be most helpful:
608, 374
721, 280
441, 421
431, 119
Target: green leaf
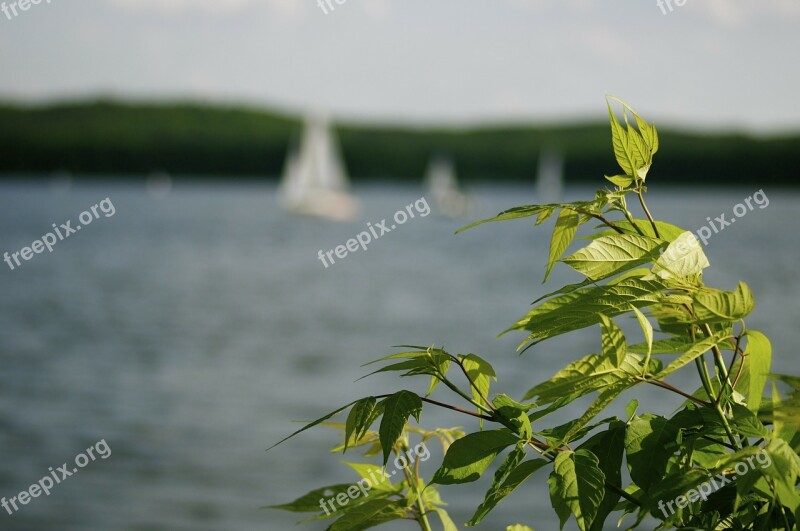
480, 372
312, 424
582, 376
613, 341
606, 397
396, 411
758, 354
378, 478
310, 503
647, 329
666, 231
567, 225
650, 441
582, 308
619, 141
672, 345
518, 527
623, 181
608, 255
447, 522
683, 258
609, 447
514, 413
516, 213
361, 417
577, 484
467, 458
696, 350
506, 480
367, 515
714, 306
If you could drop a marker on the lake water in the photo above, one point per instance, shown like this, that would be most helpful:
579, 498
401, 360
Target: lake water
189, 332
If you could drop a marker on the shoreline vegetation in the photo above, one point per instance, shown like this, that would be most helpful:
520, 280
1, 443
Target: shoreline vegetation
116, 138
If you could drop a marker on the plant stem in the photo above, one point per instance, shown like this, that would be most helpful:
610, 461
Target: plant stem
448, 406
703, 370
413, 482
475, 387
630, 220
665, 385
604, 220
463, 395
647, 212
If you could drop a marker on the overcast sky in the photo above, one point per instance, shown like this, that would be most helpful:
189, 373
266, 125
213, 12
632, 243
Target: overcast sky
708, 64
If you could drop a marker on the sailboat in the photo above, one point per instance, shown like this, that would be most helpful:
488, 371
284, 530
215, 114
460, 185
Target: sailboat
550, 179
442, 186
314, 181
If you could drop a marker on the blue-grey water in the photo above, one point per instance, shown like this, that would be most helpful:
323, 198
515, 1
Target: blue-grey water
190, 331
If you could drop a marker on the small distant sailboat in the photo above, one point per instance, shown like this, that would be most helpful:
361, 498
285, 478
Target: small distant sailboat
442, 186
550, 179
314, 181
158, 184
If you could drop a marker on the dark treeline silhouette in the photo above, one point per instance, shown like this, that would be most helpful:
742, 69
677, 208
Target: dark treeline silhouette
112, 138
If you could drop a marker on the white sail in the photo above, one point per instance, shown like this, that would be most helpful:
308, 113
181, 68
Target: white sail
315, 182
550, 179
442, 186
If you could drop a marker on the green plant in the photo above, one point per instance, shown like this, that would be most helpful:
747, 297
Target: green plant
649, 270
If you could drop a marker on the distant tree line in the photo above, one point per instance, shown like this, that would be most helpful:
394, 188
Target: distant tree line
118, 139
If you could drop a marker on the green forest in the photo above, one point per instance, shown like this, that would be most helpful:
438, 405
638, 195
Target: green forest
103, 138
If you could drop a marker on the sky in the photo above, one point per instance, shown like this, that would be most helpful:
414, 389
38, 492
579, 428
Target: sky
706, 64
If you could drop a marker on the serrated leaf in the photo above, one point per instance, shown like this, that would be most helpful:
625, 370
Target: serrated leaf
619, 141
481, 373
361, 417
564, 231
367, 515
506, 480
696, 350
447, 522
613, 341
606, 397
610, 254
666, 231
467, 458
582, 308
312, 424
683, 258
647, 329
714, 306
515, 213
577, 484
378, 478
759, 357
609, 447
309, 503
582, 376
672, 345
623, 181
514, 413
650, 441
396, 411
